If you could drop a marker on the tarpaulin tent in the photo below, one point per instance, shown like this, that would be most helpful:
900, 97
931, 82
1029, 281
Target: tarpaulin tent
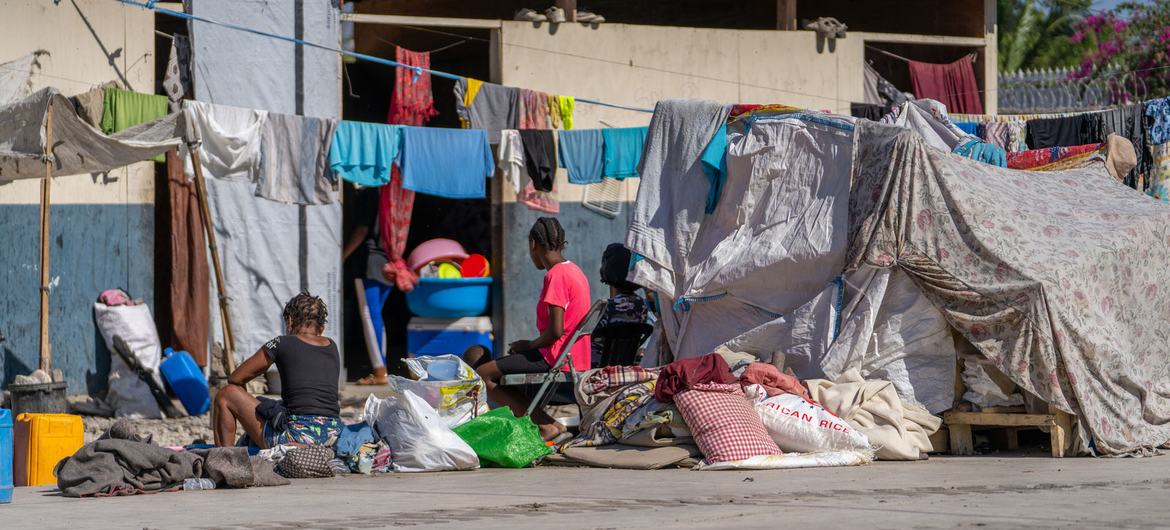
1047, 274
42, 135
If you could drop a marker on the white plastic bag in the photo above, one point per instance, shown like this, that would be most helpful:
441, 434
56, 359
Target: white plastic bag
457, 400
801, 426
129, 395
417, 435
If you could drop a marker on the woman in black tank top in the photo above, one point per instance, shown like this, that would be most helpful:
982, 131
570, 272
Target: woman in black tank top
309, 367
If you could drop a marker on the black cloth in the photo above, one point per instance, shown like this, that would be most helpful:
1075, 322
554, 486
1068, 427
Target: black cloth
868, 111
369, 258
540, 157
1128, 121
1068, 131
273, 413
308, 375
525, 362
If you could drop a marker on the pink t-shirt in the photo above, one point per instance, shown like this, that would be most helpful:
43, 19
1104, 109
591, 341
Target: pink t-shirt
565, 286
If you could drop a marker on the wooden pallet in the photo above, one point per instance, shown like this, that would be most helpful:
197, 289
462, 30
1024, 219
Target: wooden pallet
959, 423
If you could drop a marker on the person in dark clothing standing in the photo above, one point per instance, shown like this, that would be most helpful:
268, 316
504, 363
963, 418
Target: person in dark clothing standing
365, 260
309, 366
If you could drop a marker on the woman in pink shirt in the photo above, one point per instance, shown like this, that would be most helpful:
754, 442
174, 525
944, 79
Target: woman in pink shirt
564, 302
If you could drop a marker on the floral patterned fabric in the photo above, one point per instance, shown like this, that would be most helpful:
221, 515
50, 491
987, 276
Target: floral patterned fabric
1044, 159
1046, 273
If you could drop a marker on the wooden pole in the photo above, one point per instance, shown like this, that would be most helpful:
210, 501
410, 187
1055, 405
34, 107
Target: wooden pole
229, 361
46, 191
786, 15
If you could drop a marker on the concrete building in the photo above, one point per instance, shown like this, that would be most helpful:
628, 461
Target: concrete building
104, 227
651, 50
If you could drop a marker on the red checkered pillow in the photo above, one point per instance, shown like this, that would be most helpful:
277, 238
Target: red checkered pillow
724, 425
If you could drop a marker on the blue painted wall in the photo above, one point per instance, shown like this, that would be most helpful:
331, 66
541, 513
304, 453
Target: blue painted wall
93, 247
588, 234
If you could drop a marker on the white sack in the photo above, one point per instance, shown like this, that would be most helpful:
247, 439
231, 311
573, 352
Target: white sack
417, 436
897, 430
129, 395
801, 426
793, 461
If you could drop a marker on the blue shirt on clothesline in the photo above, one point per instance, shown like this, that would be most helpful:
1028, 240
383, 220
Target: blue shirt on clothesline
449, 163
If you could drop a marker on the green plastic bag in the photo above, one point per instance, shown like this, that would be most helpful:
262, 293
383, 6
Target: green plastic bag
500, 439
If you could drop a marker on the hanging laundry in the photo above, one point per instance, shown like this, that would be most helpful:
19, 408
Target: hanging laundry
1017, 136
880, 91
968, 127
623, 151
294, 160
487, 106
1077, 129
714, 161
363, 153
1129, 122
997, 134
952, 84
554, 112
582, 154
872, 112
16, 77
230, 140
123, 109
396, 204
188, 277
1042, 159
539, 201
533, 109
90, 104
177, 80
412, 102
1159, 179
540, 157
450, 163
976, 149
511, 159
567, 104
1158, 118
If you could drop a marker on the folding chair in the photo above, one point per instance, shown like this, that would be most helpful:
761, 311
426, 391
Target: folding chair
555, 375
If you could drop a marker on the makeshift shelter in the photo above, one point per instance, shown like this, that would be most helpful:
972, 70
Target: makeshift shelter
43, 136
838, 245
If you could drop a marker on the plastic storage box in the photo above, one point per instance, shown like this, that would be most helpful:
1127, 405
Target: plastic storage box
5, 456
41, 441
450, 298
186, 380
440, 336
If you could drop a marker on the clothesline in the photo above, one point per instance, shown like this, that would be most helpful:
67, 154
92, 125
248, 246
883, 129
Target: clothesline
446, 75
899, 57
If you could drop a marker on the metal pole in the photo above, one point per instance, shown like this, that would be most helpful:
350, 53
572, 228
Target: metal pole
46, 191
229, 361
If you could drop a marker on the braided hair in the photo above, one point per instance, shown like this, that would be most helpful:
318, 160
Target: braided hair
548, 233
305, 309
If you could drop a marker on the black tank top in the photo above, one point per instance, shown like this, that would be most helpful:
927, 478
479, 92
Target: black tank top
308, 375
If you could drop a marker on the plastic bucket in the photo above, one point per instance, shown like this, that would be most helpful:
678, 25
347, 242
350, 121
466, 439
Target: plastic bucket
450, 298
38, 398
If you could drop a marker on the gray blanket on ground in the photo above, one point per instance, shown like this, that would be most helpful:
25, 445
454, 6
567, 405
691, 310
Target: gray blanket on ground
123, 467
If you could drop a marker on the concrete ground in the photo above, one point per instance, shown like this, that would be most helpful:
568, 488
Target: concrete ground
995, 492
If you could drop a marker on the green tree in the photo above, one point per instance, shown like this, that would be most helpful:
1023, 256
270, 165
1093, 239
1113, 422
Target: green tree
1036, 33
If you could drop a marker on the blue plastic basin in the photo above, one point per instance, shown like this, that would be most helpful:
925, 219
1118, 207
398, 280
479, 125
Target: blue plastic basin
450, 298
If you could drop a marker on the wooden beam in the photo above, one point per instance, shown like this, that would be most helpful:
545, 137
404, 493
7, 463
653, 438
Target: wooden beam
46, 363
1060, 432
437, 22
229, 360
995, 419
786, 15
930, 40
